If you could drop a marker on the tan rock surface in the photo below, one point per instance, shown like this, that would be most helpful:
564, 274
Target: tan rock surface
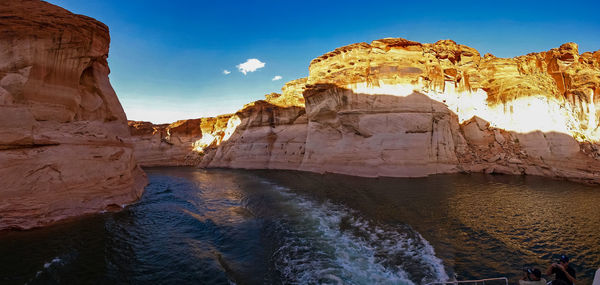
533, 114
381, 135
400, 108
261, 136
175, 144
291, 94
275, 121
558, 85
62, 127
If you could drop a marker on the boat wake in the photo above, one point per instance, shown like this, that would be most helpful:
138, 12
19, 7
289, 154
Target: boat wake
326, 243
51, 270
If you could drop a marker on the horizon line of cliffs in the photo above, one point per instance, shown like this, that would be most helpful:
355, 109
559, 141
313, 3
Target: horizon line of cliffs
400, 108
62, 128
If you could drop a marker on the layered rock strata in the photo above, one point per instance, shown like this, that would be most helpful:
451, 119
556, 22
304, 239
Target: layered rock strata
401, 108
176, 144
62, 128
559, 85
431, 108
187, 142
261, 136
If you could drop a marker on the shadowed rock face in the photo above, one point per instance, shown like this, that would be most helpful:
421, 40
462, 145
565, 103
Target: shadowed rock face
186, 142
379, 135
414, 135
559, 85
261, 136
534, 114
400, 108
177, 144
62, 127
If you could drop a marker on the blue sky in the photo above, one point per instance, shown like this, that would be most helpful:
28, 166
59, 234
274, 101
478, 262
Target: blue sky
167, 57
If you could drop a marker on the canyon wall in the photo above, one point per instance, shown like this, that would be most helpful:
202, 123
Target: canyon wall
261, 136
62, 128
175, 144
401, 108
253, 132
410, 109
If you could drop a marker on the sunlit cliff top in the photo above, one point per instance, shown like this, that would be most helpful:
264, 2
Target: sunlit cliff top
559, 72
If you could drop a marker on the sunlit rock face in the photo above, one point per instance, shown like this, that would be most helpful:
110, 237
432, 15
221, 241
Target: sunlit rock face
266, 134
261, 136
400, 108
176, 144
548, 91
291, 94
62, 128
533, 114
246, 139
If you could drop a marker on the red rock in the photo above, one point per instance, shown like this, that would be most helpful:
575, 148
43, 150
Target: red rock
62, 127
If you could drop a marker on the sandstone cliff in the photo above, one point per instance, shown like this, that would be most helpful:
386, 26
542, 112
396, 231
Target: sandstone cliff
261, 135
429, 108
176, 144
62, 127
401, 108
186, 142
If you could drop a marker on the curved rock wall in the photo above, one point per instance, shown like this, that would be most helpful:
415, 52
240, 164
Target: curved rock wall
261, 136
400, 108
378, 135
62, 128
559, 87
177, 144
534, 114
253, 132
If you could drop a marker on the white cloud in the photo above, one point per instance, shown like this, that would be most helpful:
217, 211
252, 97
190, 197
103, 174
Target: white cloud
277, 77
226, 71
251, 65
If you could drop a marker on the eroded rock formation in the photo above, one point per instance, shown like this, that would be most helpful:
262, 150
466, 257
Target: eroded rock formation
186, 142
534, 114
261, 135
62, 128
400, 108
176, 144
559, 84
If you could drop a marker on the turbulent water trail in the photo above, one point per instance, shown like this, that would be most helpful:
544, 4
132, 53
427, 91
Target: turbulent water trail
51, 268
241, 227
326, 243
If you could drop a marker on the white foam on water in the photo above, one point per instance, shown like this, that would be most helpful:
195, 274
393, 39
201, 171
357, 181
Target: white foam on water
326, 243
48, 266
55, 260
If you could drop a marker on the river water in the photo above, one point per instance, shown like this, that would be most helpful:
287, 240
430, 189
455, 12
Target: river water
195, 226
